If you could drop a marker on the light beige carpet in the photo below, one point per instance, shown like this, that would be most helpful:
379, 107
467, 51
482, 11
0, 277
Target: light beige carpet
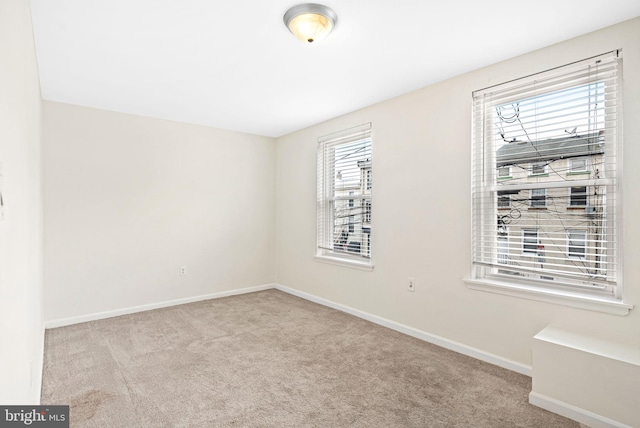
269, 359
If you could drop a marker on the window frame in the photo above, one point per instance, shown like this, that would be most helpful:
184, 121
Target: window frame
328, 250
609, 298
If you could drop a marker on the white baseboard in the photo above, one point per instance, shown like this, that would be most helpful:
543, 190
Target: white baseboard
570, 411
419, 334
133, 309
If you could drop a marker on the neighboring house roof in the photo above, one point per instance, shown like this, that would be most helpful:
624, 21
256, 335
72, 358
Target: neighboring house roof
550, 149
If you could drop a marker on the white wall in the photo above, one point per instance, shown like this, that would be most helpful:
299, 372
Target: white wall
422, 213
21, 328
128, 200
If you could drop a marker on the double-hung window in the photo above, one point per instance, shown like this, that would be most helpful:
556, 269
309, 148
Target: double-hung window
538, 198
576, 244
344, 197
542, 127
538, 168
578, 196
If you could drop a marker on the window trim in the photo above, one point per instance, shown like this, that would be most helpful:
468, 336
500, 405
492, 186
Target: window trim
562, 297
480, 278
327, 197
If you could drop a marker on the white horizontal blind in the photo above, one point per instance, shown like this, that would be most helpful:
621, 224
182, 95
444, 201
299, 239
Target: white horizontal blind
344, 193
552, 220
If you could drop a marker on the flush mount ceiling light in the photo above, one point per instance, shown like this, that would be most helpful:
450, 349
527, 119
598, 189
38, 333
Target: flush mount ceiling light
310, 22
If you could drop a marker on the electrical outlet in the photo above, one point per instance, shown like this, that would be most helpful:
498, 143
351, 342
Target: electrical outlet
183, 270
411, 285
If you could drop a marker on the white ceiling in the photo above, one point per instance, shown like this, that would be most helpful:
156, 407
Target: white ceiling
234, 65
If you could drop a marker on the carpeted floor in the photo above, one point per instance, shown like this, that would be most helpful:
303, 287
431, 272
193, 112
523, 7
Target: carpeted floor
269, 359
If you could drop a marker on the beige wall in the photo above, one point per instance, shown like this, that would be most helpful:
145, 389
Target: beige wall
422, 213
128, 200
21, 328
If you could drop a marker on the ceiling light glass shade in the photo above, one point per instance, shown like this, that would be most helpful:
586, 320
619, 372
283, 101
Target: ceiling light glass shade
310, 22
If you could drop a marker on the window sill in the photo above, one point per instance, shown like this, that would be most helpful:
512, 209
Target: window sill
354, 264
574, 300
578, 173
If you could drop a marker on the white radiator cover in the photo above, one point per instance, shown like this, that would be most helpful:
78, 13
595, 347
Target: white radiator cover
590, 380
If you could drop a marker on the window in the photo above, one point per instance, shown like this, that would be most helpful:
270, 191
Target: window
547, 125
504, 171
504, 200
344, 191
578, 196
530, 242
578, 165
538, 168
538, 198
576, 244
